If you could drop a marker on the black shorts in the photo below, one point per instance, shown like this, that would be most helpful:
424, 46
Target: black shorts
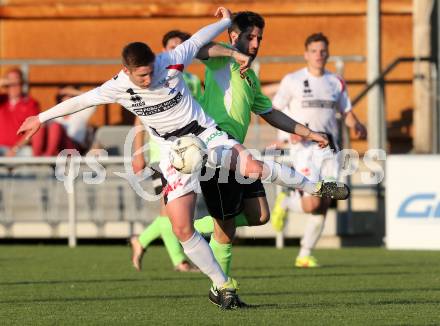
225, 200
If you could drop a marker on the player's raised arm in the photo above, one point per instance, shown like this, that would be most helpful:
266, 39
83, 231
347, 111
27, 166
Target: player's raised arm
279, 120
213, 50
185, 52
97, 96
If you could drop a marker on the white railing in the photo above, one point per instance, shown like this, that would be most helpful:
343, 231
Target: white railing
69, 182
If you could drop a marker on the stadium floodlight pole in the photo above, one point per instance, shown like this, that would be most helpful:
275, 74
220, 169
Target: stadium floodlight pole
376, 116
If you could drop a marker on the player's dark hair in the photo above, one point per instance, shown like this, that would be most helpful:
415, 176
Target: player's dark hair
316, 37
137, 54
183, 36
242, 20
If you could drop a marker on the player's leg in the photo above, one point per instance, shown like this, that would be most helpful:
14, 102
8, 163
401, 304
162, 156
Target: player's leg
316, 209
223, 197
140, 243
226, 152
180, 211
221, 243
173, 247
322, 164
180, 201
270, 171
256, 208
204, 225
289, 199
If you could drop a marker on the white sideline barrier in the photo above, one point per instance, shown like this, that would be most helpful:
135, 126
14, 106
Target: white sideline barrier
70, 181
69, 217
413, 202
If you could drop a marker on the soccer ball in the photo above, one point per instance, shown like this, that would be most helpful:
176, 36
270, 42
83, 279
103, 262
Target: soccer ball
188, 154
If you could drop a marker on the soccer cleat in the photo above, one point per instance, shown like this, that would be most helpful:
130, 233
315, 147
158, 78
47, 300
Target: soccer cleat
226, 297
278, 214
213, 296
186, 266
306, 262
137, 253
332, 189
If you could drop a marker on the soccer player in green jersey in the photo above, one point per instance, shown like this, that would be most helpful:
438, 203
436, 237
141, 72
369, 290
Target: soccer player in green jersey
230, 97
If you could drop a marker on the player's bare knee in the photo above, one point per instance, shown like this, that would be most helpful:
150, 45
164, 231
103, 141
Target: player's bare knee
224, 234
253, 169
264, 218
224, 238
183, 233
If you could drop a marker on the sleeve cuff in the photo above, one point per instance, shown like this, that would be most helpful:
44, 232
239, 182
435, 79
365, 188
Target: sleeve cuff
265, 111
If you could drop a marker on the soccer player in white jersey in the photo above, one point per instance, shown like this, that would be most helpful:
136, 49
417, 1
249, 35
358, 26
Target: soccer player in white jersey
153, 88
312, 96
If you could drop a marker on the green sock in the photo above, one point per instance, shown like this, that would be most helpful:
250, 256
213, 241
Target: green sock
172, 244
151, 232
223, 254
241, 220
204, 225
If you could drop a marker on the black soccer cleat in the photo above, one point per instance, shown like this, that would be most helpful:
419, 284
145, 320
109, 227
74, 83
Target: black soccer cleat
226, 299
332, 189
213, 297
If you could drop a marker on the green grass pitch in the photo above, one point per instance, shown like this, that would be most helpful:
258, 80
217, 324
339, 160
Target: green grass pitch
95, 285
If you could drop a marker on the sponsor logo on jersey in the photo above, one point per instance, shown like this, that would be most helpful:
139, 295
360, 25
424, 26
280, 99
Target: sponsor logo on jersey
218, 133
307, 91
138, 104
166, 84
158, 108
318, 104
134, 97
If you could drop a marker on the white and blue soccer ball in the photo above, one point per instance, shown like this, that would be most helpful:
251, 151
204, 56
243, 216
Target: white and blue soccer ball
188, 154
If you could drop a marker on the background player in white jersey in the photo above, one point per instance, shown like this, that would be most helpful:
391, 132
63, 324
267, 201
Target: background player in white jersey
153, 88
312, 96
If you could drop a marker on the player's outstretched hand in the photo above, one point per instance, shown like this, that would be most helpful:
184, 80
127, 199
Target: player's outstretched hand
319, 138
29, 127
243, 60
360, 131
222, 12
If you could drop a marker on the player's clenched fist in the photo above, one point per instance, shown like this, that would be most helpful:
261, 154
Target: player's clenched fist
222, 12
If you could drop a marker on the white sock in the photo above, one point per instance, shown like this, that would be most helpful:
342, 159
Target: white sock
312, 233
200, 253
285, 176
294, 202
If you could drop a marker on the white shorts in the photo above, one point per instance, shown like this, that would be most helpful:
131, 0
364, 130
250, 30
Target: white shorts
314, 162
179, 184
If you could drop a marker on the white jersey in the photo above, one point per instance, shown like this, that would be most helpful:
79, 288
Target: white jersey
166, 108
313, 101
